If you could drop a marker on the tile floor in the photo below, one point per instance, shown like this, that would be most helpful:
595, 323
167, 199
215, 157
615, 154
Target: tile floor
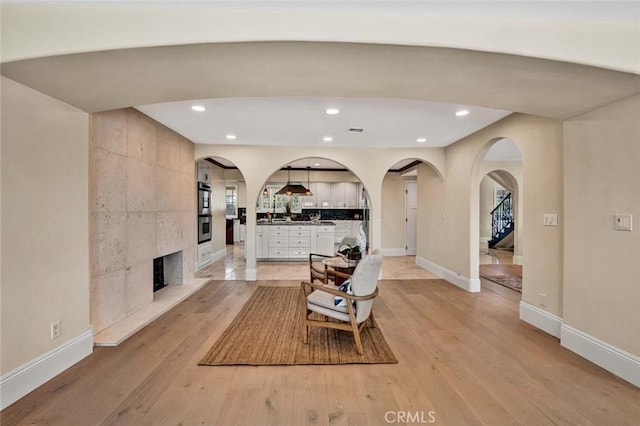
232, 267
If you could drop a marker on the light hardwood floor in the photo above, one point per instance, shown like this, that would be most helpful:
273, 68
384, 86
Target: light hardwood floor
466, 358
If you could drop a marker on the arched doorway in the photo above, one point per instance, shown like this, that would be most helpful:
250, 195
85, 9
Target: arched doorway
335, 207
499, 213
226, 215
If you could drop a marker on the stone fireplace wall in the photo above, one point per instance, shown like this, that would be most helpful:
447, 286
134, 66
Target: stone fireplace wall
142, 206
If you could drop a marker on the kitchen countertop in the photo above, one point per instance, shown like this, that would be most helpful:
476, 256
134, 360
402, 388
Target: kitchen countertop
296, 222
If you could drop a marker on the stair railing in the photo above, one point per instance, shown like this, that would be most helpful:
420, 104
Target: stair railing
502, 217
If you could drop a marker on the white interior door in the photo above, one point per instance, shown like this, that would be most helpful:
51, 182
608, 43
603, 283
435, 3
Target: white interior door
411, 217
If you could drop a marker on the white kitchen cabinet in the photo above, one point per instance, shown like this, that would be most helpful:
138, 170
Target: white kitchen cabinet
337, 194
351, 196
323, 194
204, 171
236, 230
309, 201
293, 242
204, 253
324, 240
260, 242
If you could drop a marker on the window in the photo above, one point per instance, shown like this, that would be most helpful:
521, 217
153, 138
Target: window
231, 199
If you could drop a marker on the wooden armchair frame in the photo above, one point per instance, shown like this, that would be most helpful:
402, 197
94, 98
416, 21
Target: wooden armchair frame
352, 326
315, 273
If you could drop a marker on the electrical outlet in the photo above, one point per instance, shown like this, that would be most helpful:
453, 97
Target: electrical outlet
55, 329
542, 300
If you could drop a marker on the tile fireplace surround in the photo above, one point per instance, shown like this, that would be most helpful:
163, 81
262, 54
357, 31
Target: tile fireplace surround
142, 197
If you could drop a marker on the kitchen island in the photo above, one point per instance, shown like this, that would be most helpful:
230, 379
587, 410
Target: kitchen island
294, 240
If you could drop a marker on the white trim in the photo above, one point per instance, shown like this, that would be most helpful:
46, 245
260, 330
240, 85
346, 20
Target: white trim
471, 285
539, 318
609, 357
393, 252
250, 274
517, 260
220, 254
27, 377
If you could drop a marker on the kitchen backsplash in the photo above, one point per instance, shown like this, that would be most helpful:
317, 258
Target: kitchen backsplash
326, 214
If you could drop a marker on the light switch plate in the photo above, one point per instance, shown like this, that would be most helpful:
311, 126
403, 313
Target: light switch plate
623, 222
550, 219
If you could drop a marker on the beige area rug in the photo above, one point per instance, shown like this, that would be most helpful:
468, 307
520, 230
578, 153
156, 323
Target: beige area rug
513, 282
268, 331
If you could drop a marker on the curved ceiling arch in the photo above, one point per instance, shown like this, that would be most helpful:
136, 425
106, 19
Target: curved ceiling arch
98, 81
603, 34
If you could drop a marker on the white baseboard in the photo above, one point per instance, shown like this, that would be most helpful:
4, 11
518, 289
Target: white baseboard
250, 274
27, 377
621, 363
517, 260
539, 318
220, 254
465, 283
393, 252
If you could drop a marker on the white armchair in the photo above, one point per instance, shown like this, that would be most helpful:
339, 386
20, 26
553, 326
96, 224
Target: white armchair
358, 309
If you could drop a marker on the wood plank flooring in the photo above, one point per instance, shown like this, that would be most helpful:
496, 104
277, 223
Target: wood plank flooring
463, 358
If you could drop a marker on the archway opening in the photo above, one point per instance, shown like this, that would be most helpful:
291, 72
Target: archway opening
290, 226
403, 207
222, 206
499, 215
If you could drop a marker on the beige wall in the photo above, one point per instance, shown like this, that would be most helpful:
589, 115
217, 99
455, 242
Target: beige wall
602, 265
449, 212
142, 206
45, 263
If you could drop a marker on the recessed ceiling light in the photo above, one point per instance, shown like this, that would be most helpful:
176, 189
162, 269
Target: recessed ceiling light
332, 111
231, 137
198, 108
327, 139
462, 112
316, 164
421, 140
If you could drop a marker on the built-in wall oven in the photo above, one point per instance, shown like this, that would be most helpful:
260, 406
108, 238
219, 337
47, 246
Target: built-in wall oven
204, 199
204, 212
204, 229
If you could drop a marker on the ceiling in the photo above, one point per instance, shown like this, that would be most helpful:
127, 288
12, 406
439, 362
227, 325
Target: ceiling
275, 92
302, 121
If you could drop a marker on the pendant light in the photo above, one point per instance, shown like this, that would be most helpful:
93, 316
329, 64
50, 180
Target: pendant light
291, 189
308, 192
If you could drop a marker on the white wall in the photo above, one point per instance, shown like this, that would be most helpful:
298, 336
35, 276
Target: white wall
45, 227
602, 265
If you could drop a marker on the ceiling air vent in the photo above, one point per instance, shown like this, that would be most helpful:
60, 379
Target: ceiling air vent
354, 130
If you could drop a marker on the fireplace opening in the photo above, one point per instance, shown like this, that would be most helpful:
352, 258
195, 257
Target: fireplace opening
158, 274
167, 270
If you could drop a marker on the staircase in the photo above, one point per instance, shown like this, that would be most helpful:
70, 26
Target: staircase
502, 224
